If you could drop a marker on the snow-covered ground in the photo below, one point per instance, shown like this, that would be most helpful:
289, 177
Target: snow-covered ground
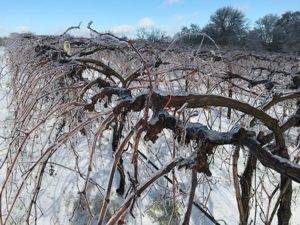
59, 196
4, 87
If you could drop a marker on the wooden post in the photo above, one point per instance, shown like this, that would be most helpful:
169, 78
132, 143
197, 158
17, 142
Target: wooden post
67, 47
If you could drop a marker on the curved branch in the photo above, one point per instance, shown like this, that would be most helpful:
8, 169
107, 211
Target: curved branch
279, 98
108, 71
202, 100
196, 101
70, 28
117, 157
279, 164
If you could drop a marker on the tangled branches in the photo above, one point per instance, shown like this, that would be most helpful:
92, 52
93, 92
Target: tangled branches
81, 115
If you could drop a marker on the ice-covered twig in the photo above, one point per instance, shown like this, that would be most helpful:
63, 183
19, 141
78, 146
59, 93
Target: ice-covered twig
142, 188
71, 28
211, 218
188, 212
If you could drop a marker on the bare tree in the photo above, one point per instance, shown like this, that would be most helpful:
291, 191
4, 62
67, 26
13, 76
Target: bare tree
287, 31
2, 41
154, 35
227, 26
192, 34
264, 29
113, 124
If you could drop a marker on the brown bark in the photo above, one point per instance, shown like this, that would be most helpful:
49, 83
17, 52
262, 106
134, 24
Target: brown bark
238, 196
284, 212
246, 183
187, 215
277, 163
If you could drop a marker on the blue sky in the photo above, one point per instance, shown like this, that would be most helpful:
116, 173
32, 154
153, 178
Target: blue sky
124, 16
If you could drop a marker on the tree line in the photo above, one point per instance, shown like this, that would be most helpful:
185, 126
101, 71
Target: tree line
229, 26
2, 41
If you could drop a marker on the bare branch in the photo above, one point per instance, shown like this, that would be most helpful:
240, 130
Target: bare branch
142, 188
71, 28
